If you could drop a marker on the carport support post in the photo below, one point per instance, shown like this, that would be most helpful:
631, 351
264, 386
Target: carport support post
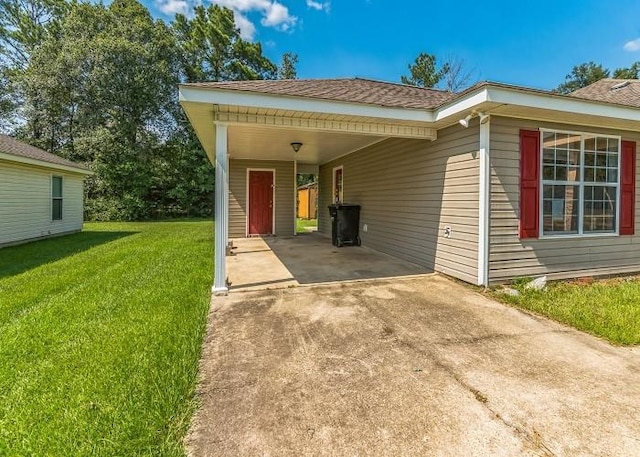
221, 212
484, 207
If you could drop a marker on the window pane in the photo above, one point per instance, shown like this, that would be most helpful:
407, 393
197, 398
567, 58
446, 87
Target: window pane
590, 144
56, 191
589, 158
548, 139
548, 172
601, 144
588, 174
573, 174
562, 141
560, 213
548, 156
574, 157
599, 208
574, 142
56, 213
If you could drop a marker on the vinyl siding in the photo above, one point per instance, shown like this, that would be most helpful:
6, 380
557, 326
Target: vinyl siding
409, 191
511, 257
284, 200
25, 203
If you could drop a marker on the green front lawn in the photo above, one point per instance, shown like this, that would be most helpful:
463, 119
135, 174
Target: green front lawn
100, 337
606, 308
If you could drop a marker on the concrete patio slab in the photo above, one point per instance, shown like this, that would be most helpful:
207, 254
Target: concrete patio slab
407, 367
309, 258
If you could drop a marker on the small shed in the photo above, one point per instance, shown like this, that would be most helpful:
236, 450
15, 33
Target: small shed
41, 194
308, 201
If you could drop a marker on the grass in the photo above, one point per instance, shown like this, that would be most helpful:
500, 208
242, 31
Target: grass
100, 337
302, 224
606, 308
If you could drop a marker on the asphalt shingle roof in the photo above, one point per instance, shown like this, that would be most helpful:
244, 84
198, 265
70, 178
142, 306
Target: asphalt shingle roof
11, 146
609, 90
355, 90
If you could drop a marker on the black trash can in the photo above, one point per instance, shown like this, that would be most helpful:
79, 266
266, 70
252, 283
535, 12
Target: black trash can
345, 224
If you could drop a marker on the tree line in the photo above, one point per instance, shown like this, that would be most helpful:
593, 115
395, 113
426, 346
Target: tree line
452, 76
97, 84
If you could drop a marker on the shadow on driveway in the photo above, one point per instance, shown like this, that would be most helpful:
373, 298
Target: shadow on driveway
309, 258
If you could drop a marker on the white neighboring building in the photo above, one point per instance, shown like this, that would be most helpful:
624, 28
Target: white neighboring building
41, 194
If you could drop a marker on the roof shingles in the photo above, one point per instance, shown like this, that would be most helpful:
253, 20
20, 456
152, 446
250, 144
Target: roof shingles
13, 147
354, 90
619, 91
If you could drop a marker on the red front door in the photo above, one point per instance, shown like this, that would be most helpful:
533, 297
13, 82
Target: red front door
260, 202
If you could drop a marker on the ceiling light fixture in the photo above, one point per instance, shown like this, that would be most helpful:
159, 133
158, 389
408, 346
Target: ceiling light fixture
296, 146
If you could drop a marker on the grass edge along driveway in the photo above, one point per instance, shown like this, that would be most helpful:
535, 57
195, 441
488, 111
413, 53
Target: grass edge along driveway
100, 337
608, 308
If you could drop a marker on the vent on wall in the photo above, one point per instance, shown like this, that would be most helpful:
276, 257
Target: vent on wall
620, 85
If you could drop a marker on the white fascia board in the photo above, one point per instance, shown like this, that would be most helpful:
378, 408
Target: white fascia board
289, 103
558, 103
462, 105
43, 164
514, 97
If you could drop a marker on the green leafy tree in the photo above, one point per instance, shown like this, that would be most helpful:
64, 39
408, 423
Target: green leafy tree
632, 72
424, 72
211, 48
287, 69
103, 90
581, 76
25, 24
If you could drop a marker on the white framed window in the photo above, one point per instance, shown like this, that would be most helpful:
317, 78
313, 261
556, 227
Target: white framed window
56, 198
338, 185
580, 183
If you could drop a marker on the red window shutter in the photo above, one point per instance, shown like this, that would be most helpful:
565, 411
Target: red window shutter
529, 183
627, 187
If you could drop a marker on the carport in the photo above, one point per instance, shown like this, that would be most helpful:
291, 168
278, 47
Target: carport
247, 133
308, 259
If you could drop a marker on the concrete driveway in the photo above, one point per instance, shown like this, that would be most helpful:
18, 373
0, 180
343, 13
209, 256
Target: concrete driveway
407, 367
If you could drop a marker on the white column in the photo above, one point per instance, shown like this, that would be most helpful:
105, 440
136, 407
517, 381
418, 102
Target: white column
221, 213
484, 206
295, 197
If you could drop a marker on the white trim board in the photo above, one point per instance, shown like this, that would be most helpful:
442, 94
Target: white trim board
333, 184
43, 164
217, 96
484, 203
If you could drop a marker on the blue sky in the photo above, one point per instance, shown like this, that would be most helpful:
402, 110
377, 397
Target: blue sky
533, 43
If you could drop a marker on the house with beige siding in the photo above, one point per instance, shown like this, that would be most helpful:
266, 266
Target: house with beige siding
490, 184
41, 194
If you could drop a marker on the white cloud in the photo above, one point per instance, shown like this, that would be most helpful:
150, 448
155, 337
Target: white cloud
320, 6
633, 45
274, 14
277, 15
271, 13
247, 29
173, 6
